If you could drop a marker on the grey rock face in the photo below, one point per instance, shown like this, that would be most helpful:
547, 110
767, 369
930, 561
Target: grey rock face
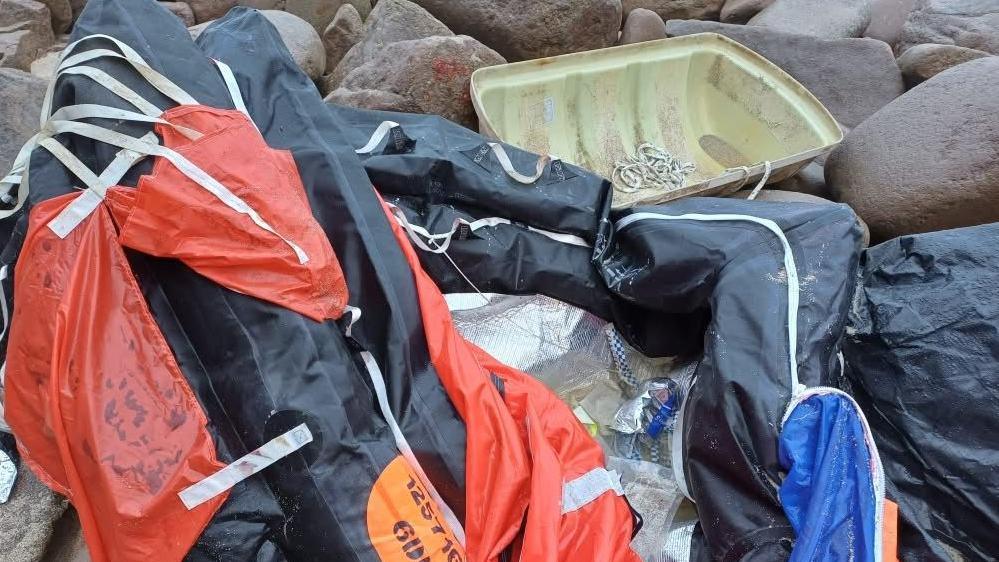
922, 62
643, 25
966, 23
829, 19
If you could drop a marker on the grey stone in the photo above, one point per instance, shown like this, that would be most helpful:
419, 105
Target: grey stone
182, 10
341, 34
372, 99
810, 180
928, 160
195, 30
432, 75
677, 9
887, 19
61, 13
28, 518
302, 41
922, 62
206, 10
67, 543
77, 6
966, 23
21, 96
263, 4
25, 32
829, 19
390, 21
320, 12
643, 25
853, 78
530, 29
45, 65
741, 11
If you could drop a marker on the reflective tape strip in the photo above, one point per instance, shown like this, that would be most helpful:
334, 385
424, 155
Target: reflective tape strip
377, 136
381, 393
8, 474
507, 165
189, 169
588, 487
246, 466
230, 83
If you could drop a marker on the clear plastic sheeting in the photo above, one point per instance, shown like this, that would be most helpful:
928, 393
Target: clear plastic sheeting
561, 345
651, 490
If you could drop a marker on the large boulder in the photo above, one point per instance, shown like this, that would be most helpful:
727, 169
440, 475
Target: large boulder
432, 75
821, 18
810, 180
853, 78
922, 62
887, 19
302, 41
182, 10
642, 25
20, 105
61, 13
345, 31
677, 9
927, 161
390, 21
530, 29
741, 11
966, 23
207, 10
25, 32
320, 12
27, 520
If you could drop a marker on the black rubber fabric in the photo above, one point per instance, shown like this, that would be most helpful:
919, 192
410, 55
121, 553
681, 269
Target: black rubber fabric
922, 356
256, 368
735, 269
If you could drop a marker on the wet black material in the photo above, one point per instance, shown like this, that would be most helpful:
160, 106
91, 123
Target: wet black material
254, 366
923, 359
735, 270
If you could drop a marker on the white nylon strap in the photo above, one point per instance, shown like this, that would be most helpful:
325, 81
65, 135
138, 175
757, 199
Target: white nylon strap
185, 166
233, 87
4, 273
155, 79
80, 208
381, 393
246, 466
578, 493
507, 165
377, 136
767, 168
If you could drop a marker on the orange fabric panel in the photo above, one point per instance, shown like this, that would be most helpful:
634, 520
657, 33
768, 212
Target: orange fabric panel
96, 400
558, 447
170, 215
890, 534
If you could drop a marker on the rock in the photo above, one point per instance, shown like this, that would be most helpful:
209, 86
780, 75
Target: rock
966, 23
302, 41
792, 197
922, 62
887, 19
741, 11
205, 10
77, 6
343, 32
28, 518
262, 4
61, 13
829, 19
432, 75
25, 32
677, 9
927, 161
45, 65
390, 21
810, 180
67, 544
320, 12
182, 10
530, 29
373, 99
643, 25
853, 78
20, 105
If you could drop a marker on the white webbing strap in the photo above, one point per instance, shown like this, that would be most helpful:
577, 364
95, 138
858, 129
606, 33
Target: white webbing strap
85, 204
246, 466
381, 393
507, 165
155, 79
230, 83
377, 136
188, 168
767, 168
583, 490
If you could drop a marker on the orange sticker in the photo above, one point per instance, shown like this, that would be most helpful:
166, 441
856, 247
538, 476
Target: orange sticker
404, 524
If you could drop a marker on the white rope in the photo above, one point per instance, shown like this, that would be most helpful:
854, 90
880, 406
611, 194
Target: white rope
762, 182
651, 167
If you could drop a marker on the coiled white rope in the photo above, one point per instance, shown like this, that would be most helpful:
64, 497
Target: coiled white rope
651, 167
